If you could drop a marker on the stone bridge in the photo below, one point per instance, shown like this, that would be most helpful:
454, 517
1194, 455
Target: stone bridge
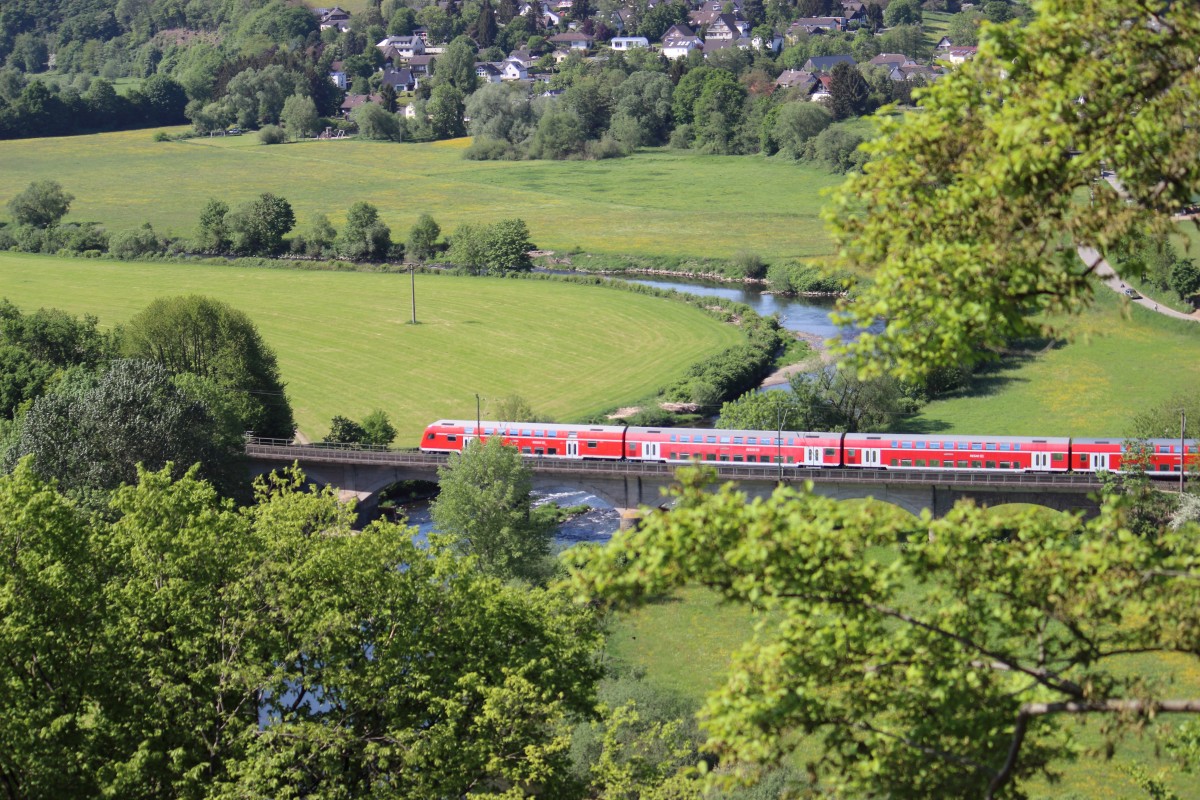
362, 473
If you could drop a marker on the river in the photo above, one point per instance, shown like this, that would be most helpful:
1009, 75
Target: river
807, 315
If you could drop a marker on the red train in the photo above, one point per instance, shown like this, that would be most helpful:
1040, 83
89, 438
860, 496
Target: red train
809, 448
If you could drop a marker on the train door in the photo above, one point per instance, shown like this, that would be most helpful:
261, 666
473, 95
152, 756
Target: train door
650, 450
1099, 461
1041, 461
466, 441
812, 456
572, 447
870, 458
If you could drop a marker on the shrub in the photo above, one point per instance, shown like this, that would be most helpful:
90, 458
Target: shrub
749, 264
135, 243
272, 134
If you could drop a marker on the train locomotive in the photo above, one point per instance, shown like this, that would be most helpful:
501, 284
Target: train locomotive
811, 449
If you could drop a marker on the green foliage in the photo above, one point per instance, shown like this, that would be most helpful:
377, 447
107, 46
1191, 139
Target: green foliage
422, 239
179, 618
135, 243
902, 12
492, 249
826, 400
512, 408
376, 123
211, 339
963, 28
484, 507
299, 116
363, 237
93, 430
375, 429
258, 227
42, 204
915, 670
970, 213
272, 134
446, 108
793, 278
212, 234
343, 430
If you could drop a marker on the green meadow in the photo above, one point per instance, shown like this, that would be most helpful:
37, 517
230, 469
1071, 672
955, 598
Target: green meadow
1116, 360
657, 202
345, 344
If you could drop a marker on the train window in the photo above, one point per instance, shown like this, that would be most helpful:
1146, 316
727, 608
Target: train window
737, 458
526, 432
1175, 449
526, 451
724, 457
1057, 456
906, 445
920, 445
791, 460
895, 444
976, 446
906, 462
469, 430
976, 464
672, 437
737, 440
1017, 446
710, 439
791, 441
990, 446
1005, 448
961, 464
1193, 449
537, 451
933, 462
920, 462
851, 453
710, 456
829, 451
592, 445
450, 437
1005, 465
1083, 458
895, 463
751, 440
553, 451
538, 433
724, 440
935, 445
430, 436
990, 464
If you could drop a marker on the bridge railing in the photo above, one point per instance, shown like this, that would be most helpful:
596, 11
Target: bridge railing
327, 452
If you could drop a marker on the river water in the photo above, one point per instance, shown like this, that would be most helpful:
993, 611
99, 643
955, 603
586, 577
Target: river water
808, 315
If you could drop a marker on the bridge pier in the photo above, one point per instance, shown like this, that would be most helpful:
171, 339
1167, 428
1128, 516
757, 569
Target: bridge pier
630, 518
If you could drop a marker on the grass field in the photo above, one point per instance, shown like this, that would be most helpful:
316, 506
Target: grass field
683, 646
344, 346
1122, 359
660, 202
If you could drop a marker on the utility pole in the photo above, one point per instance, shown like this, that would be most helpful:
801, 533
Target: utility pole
1182, 448
781, 411
412, 279
478, 418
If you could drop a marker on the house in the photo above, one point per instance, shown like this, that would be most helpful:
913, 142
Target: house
354, 101
488, 71
957, 55
726, 27
771, 44
854, 10
421, 65
513, 70
337, 74
629, 42
332, 18
719, 6
525, 58
909, 72
890, 60
702, 18
402, 80
815, 25
678, 41
713, 45
795, 79
944, 43
402, 47
550, 17
572, 40
818, 64
820, 93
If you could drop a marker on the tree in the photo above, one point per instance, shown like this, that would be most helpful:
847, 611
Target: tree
42, 204
378, 429
211, 339
485, 28
320, 236
963, 28
93, 430
212, 234
718, 112
343, 430
796, 123
422, 239
512, 408
364, 236
258, 227
299, 116
467, 248
907, 676
374, 122
484, 507
902, 12
268, 611
971, 210
644, 99
849, 94
456, 66
507, 246
446, 108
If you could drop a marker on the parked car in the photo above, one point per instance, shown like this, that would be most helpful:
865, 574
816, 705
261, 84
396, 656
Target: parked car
1132, 294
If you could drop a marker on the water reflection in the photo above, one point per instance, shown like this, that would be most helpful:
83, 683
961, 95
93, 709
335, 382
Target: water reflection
595, 527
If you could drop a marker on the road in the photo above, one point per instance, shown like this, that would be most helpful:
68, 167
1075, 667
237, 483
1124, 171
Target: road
1105, 272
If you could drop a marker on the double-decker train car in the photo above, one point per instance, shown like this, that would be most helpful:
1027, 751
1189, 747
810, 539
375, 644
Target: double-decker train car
1163, 456
811, 449
917, 451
